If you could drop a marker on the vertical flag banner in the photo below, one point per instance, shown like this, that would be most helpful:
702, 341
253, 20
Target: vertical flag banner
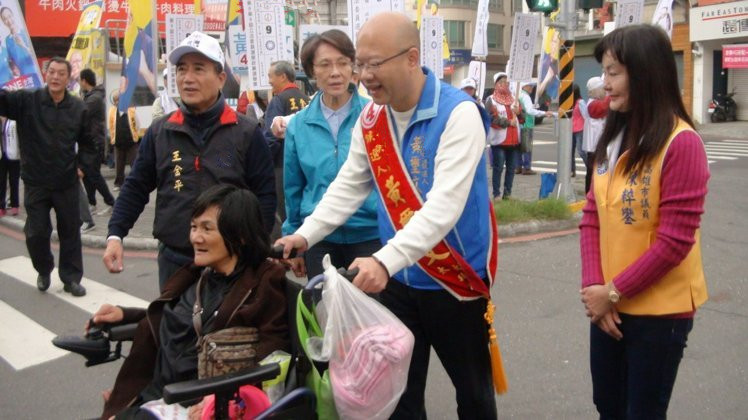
548, 80
477, 70
480, 40
629, 12
359, 11
137, 85
86, 43
179, 27
432, 28
522, 49
18, 66
264, 23
663, 16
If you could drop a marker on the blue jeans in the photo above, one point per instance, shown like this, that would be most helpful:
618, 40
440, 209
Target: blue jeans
499, 157
526, 149
633, 378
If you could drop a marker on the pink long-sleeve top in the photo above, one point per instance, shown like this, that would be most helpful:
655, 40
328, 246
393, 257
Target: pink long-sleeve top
577, 120
685, 173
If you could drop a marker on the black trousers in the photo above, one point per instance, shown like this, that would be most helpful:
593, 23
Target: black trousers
459, 335
10, 173
38, 229
93, 181
123, 156
341, 255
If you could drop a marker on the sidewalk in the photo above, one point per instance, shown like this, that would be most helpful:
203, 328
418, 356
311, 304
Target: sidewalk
736, 130
526, 187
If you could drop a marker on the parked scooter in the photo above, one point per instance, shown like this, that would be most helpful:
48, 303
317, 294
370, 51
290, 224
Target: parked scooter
723, 108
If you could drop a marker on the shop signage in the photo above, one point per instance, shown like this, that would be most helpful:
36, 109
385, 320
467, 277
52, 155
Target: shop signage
735, 56
719, 21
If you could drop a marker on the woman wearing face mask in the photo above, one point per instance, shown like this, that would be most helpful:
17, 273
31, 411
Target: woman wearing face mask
239, 286
316, 146
503, 136
642, 276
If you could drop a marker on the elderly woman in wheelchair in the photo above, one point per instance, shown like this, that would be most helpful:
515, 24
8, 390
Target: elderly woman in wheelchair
231, 284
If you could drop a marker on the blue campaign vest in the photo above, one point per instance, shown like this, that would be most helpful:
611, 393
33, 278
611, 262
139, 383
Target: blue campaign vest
471, 235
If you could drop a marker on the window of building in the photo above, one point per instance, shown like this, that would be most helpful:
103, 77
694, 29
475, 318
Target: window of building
517, 5
496, 5
495, 36
455, 30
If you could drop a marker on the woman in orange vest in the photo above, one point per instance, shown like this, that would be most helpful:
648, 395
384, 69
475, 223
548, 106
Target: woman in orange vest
642, 276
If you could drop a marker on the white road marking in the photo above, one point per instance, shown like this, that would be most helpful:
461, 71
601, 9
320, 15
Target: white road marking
23, 342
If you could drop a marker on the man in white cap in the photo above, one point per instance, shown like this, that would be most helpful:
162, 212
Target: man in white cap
594, 122
526, 134
469, 86
164, 104
202, 143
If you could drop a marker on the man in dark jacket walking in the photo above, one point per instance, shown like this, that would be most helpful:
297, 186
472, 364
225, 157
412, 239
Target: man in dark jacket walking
203, 143
93, 97
50, 122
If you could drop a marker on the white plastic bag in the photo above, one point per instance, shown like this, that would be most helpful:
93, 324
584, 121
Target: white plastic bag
369, 349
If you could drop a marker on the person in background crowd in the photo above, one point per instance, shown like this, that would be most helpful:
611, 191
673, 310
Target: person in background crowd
287, 99
201, 144
51, 119
577, 128
124, 136
164, 104
93, 97
10, 167
470, 87
87, 222
503, 135
642, 273
251, 104
441, 169
528, 128
316, 147
594, 123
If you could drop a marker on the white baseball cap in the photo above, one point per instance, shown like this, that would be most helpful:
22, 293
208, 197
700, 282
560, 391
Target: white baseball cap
524, 84
200, 43
469, 82
498, 75
595, 83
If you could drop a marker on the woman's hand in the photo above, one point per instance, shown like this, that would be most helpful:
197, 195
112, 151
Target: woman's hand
610, 322
107, 314
596, 301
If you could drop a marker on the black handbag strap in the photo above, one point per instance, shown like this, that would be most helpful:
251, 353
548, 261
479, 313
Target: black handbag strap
197, 308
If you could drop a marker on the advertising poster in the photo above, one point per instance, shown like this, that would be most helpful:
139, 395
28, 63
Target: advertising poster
137, 83
266, 39
18, 65
86, 44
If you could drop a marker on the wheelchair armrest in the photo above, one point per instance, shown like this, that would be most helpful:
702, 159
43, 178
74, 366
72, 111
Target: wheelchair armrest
225, 384
124, 332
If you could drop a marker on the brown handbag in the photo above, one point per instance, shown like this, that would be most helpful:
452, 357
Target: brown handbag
223, 351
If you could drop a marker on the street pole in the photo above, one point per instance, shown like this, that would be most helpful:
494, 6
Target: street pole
564, 188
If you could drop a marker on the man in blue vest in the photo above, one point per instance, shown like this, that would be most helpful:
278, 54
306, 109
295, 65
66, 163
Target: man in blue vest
422, 133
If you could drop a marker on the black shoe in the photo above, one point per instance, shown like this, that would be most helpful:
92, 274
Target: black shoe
42, 282
75, 289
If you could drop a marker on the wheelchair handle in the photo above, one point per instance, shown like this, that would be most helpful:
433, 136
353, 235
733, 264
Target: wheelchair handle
276, 252
348, 274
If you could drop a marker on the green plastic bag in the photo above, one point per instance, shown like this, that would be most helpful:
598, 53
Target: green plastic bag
319, 383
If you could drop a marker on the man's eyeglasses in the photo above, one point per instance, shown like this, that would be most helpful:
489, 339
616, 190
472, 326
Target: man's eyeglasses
327, 66
373, 67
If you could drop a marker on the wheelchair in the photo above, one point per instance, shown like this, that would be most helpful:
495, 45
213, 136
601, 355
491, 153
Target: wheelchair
103, 344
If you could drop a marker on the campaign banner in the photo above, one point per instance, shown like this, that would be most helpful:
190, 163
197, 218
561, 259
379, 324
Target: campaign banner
432, 28
18, 66
663, 16
137, 81
237, 44
522, 49
179, 27
86, 43
477, 70
629, 12
480, 40
548, 79
266, 38
359, 11
58, 18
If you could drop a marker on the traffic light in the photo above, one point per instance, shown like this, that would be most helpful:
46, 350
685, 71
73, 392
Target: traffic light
590, 4
545, 6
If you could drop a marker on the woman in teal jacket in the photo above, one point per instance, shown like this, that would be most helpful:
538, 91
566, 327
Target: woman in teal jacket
316, 146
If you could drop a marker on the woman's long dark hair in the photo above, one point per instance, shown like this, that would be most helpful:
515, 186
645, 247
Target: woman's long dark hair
239, 222
654, 97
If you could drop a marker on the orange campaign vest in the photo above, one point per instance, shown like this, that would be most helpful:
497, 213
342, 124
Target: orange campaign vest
443, 263
628, 210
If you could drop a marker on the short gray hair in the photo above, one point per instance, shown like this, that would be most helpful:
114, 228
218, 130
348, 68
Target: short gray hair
284, 67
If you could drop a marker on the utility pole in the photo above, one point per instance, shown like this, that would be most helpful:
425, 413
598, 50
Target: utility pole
568, 24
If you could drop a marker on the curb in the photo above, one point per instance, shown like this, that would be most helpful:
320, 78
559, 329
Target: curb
509, 230
91, 241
